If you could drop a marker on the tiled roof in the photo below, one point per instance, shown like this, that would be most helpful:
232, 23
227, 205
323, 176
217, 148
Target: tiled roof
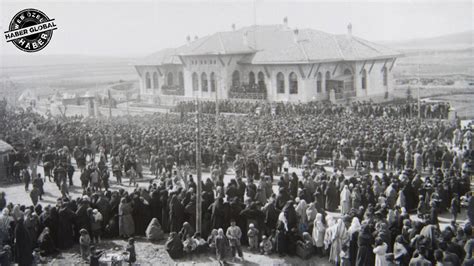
163, 57
278, 44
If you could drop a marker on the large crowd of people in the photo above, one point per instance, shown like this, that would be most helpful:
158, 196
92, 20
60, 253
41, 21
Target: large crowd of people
399, 166
409, 109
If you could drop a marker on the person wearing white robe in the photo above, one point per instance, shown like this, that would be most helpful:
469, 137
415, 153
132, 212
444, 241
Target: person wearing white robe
345, 200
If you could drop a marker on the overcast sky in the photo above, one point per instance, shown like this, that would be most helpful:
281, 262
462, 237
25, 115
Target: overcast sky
138, 27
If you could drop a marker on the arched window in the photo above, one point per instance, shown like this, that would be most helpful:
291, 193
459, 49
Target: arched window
170, 79
181, 80
280, 83
213, 82
195, 82
155, 80
293, 81
319, 80
204, 82
385, 76
349, 84
147, 80
364, 79
251, 78
236, 79
261, 81
326, 83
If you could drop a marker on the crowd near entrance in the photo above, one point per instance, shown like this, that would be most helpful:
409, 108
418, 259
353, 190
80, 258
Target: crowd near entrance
361, 184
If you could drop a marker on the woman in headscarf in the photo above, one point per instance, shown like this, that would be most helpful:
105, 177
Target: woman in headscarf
176, 214
17, 214
354, 235
301, 212
154, 231
280, 237
66, 219
319, 230
222, 246
174, 246
186, 230
23, 244
5, 221
217, 213
126, 223
340, 237
331, 195
290, 215
365, 256
311, 213
345, 200
356, 198
46, 244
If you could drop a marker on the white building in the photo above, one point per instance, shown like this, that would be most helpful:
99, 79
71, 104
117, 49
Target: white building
270, 62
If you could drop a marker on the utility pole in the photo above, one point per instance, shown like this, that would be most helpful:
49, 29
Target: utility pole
217, 108
198, 168
110, 103
418, 91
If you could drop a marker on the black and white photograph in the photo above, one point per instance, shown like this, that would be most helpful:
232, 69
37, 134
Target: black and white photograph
237, 132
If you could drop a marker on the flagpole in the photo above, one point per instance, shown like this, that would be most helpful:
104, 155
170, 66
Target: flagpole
198, 168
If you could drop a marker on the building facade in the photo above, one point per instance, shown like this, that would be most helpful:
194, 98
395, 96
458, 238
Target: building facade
272, 63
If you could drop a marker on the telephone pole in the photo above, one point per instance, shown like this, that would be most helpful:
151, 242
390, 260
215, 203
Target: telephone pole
110, 103
217, 107
198, 168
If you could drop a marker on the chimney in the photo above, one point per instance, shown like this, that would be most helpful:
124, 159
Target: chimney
233, 26
349, 30
195, 37
246, 39
295, 35
188, 39
285, 21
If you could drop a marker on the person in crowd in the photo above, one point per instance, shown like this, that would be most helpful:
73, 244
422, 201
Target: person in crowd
130, 249
222, 246
252, 234
174, 246
84, 244
154, 231
234, 235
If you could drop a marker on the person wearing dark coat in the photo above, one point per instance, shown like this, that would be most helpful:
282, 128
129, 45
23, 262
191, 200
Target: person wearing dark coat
217, 213
23, 244
155, 205
174, 246
365, 241
141, 215
82, 220
331, 194
280, 239
103, 206
65, 229
294, 185
282, 199
271, 217
290, 215
46, 244
176, 214
164, 210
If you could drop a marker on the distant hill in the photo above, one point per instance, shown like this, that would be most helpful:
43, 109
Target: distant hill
32, 60
456, 41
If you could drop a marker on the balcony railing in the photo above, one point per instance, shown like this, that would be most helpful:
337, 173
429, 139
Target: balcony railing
249, 91
346, 94
248, 95
172, 90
